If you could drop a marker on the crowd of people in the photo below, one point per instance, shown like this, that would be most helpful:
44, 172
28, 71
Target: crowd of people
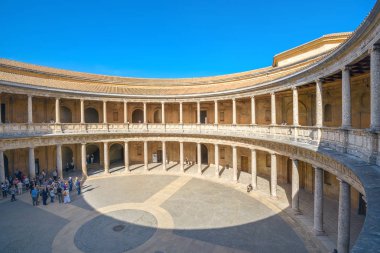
41, 188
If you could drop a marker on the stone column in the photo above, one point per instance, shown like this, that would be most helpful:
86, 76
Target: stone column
319, 103
164, 155
57, 111
125, 112
199, 155
163, 112
146, 155
126, 156
318, 202
295, 107
2, 167
273, 108
253, 169
233, 111
198, 112
295, 186
216, 153
180, 113
106, 158
82, 111
32, 165
234, 163
346, 98
30, 109
104, 111
343, 243
216, 113
181, 156
59, 160
375, 87
1, 120
253, 111
273, 175
83, 158
145, 119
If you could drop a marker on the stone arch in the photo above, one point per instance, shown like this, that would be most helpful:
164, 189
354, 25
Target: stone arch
66, 115
92, 150
157, 116
138, 116
204, 154
91, 115
67, 158
116, 153
303, 118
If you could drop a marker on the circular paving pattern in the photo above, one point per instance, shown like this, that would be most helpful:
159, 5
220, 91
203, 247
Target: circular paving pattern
123, 230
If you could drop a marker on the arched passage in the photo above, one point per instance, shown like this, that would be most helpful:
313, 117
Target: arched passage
157, 116
67, 158
6, 167
92, 154
66, 115
137, 116
116, 153
91, 115
204, 154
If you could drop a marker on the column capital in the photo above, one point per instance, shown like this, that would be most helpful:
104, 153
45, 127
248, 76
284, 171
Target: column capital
55, 98
180, 102
346, 68
293, 87
83, 143
216, 100
181, 142
163, 141
318, 81
375, 47
272, 93
59, 145
253, 96
162, 102
233, 99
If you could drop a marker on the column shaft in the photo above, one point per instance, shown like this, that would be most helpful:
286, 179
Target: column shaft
126, 156
181, 156
216, 113
295, 185
273, 108
145, 119
145, 155
180, 113
57, 111
253, 169
234, 163
164, 155
253, 111
163, 112
32, 165
318, 202
82, 111
319, 103
199, 156
83, 159
59, 161
343, 243
273, 175
233, 111
30, 109
375, 87
2, 167
216, 153
198, 112
106, 158
125, 112
346, 98
295, 107
104, 111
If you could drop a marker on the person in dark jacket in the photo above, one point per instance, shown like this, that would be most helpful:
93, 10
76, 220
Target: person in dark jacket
44, 196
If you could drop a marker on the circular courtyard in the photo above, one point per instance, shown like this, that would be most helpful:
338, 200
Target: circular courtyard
150, 213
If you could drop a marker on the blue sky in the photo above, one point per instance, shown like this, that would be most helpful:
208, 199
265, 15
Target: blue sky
167, 38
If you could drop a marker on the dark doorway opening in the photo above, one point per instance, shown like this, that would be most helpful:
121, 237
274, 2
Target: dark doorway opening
204, 154
91, 115
138, 116
203, 117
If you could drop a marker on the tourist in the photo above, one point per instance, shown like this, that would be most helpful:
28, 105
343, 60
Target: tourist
34, 193
70, 181
66, 196
59, 193
27, 183
92, 158
77, 185
19, 187
44, 196
4, 189
52, 195
55, 174
13, 193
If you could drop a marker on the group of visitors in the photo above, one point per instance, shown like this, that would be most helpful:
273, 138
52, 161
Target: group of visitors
41, 187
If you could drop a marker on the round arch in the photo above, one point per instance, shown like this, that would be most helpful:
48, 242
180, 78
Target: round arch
66, 115
67, 158
303, 118
204, 154
157, 116
92, 153
138, 116
116, 153
91, 115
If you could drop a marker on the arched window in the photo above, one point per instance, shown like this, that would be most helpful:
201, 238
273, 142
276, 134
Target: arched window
328, 113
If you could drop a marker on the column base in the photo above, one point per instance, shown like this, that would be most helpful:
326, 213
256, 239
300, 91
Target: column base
274, 197
319, 232
297, 212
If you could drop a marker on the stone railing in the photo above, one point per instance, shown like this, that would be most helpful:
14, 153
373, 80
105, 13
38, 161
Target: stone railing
358, 142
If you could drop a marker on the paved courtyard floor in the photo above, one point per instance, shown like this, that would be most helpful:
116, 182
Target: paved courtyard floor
151, 213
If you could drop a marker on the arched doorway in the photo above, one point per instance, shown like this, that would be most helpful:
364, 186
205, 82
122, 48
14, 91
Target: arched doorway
67, 158
157, 116
6, 168
66, 115
92, 154
116, 153
204, 154
138, 116
91, 115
